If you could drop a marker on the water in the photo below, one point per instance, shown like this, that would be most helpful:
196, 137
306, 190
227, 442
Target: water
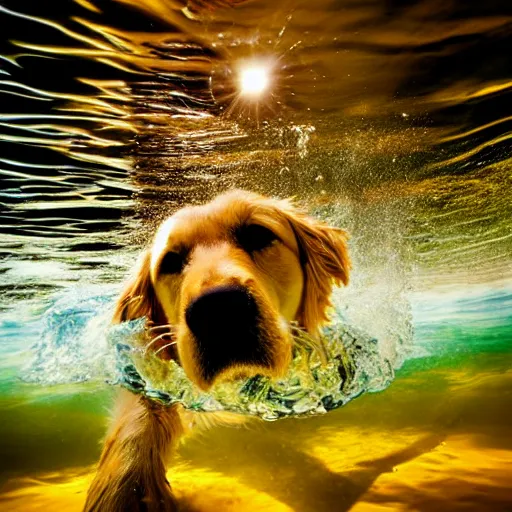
388, 118
77, 344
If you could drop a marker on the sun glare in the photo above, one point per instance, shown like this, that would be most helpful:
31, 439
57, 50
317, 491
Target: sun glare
254, 80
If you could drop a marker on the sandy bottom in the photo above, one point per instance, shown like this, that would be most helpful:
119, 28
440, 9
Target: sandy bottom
436, 440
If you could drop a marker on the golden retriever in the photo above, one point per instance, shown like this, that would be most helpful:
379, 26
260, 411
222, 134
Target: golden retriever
229, 277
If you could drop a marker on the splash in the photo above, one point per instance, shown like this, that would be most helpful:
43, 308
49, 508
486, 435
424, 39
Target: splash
72, 345
310, 387
78, 344
303, 133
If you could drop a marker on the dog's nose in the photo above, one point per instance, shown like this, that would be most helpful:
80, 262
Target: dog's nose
222, 310
224, 322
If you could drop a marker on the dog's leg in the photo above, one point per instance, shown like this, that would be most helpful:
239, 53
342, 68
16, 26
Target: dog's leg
131, 472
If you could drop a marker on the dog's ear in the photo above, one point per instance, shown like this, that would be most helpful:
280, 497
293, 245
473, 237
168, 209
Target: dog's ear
325, 261
138, 299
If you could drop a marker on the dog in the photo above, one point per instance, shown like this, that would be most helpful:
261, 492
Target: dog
224, 280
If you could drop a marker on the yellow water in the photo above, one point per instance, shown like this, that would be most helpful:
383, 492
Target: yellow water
438, 439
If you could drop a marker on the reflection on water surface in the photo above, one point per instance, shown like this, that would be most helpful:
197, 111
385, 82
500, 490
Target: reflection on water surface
390, 118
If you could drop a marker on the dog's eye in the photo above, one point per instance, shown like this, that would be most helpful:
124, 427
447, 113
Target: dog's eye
255, 237
172, 263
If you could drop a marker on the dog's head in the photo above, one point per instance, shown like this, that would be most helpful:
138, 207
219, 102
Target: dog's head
230, 276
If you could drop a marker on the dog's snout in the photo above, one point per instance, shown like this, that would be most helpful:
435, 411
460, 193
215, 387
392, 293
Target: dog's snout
225, 324
222, 307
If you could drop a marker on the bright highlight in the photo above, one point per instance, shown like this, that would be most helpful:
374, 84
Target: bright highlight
254, 80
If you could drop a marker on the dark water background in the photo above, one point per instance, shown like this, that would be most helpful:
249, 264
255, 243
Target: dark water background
390, 117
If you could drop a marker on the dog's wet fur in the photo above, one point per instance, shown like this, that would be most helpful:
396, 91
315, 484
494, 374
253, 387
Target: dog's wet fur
223, 281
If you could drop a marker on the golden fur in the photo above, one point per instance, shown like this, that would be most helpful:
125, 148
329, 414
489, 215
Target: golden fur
290, 278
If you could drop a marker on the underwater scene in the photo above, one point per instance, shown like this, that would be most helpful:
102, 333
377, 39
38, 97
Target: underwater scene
390, 119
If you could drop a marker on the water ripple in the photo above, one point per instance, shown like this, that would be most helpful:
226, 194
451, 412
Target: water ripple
114, 114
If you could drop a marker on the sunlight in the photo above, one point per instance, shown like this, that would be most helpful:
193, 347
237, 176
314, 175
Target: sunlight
254, 79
